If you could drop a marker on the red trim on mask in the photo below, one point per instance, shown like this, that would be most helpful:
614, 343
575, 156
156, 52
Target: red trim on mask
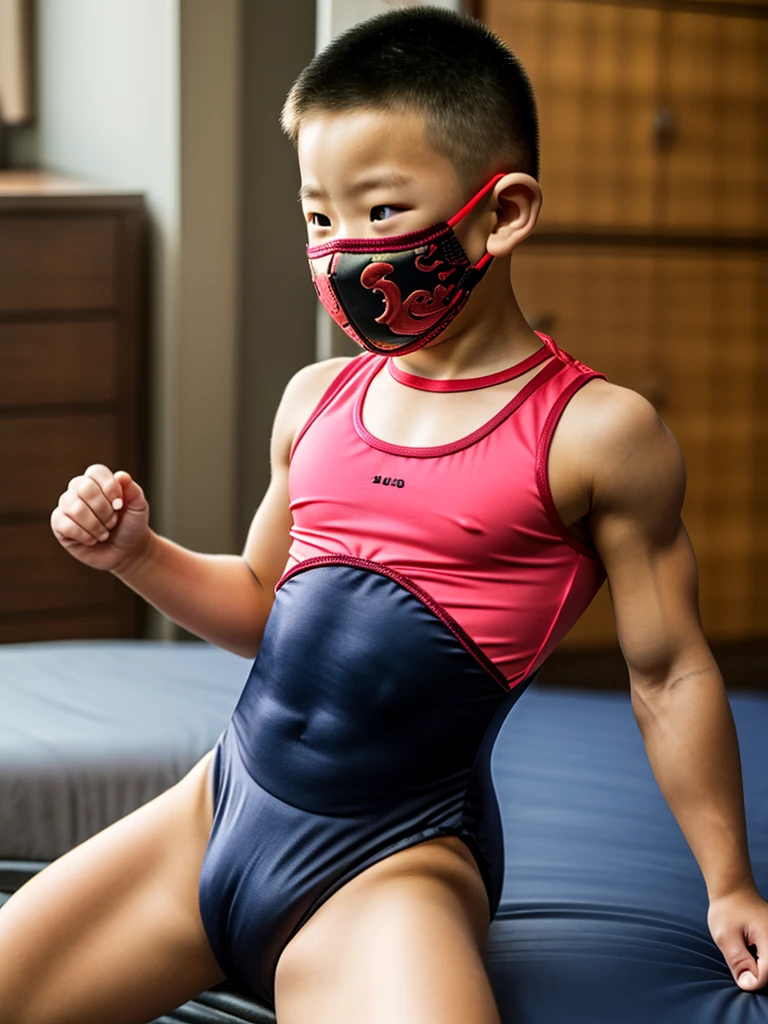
409, 240
392, 243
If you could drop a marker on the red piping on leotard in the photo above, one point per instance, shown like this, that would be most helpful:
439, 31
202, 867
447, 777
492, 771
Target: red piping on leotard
549, 370
564, 597
542, 456
445, 617
468, 383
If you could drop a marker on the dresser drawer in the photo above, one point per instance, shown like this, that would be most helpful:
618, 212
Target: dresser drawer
44, 576
55, 263
80, 624
57, 363
40, 454
85, 624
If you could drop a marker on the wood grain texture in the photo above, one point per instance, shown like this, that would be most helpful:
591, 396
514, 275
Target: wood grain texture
56, 263
97, 623
595, 73
58, 362
74, 375
650, 261
41, 453
39, 575
715, 87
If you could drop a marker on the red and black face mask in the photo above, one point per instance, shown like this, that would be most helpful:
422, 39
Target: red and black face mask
394, 295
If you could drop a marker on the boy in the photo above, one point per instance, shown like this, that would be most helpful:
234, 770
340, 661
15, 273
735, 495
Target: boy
457, 494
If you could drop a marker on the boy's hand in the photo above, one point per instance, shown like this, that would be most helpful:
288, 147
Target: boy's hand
102, 519
739, 925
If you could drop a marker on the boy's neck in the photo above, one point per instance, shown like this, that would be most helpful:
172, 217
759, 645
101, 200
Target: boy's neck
494, 337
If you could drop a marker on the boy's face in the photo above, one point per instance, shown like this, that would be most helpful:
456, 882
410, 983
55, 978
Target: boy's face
370, 173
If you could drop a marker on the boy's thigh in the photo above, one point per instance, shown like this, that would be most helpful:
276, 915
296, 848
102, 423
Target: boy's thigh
401, 942
112, 930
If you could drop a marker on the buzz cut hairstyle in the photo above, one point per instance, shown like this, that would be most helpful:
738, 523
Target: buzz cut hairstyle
477, 100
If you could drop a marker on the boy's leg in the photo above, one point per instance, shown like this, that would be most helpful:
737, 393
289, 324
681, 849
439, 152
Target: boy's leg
111, 931
402, 941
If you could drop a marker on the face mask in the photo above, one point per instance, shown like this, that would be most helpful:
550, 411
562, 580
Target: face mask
394, 295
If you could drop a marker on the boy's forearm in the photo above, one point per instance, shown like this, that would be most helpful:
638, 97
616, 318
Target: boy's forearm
692, 746
216, 597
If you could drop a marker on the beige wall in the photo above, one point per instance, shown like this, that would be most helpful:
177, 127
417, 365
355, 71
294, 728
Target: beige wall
203, 473
278, 301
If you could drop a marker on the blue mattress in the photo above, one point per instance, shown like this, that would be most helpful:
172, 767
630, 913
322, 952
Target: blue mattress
90, 730
603, 913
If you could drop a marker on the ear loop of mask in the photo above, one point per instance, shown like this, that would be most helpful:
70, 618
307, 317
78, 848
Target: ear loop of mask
454, 220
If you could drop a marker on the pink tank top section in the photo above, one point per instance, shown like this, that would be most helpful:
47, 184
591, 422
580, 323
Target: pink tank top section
472, 523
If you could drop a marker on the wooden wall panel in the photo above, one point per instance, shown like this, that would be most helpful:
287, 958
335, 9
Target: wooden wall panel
597, 301
713, 360
686, 328
595, 72
714, 171
649, 261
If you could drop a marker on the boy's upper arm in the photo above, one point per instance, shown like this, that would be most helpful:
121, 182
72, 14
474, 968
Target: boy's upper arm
636, 475
266, 546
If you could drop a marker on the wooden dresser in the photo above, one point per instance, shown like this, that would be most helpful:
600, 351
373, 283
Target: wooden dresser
73, 391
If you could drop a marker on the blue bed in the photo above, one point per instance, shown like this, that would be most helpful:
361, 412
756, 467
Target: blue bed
603, 914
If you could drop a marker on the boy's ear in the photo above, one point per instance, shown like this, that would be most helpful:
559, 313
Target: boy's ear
518, 201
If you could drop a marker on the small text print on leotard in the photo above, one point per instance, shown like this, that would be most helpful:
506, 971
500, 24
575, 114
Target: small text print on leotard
389, 481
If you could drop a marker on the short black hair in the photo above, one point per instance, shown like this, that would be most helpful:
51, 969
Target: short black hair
476, 97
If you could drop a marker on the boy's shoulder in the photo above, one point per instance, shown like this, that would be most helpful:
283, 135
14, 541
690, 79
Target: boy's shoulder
615, 436
318, 375
313, 379
302, 393
609, 413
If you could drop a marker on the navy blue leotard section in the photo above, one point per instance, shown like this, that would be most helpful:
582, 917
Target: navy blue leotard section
365, 726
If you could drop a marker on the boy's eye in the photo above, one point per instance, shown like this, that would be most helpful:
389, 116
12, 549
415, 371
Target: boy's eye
383, 212
319, 220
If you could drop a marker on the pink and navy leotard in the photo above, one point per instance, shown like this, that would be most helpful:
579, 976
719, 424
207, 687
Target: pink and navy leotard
424, 588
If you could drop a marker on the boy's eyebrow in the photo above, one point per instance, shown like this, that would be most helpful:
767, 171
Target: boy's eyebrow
393, 179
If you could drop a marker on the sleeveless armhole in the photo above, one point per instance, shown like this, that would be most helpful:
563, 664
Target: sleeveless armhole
338, 382
542, 458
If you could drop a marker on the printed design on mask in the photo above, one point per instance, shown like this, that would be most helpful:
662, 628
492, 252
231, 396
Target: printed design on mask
421, 309
421, 263
359, 274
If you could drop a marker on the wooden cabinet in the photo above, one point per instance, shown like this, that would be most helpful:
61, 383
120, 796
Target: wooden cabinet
650, 260
713, 94
594, 69
653, 115
73, 391
686, 327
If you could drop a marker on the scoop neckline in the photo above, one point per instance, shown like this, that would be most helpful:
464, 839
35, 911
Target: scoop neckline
453, 384
550, 368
